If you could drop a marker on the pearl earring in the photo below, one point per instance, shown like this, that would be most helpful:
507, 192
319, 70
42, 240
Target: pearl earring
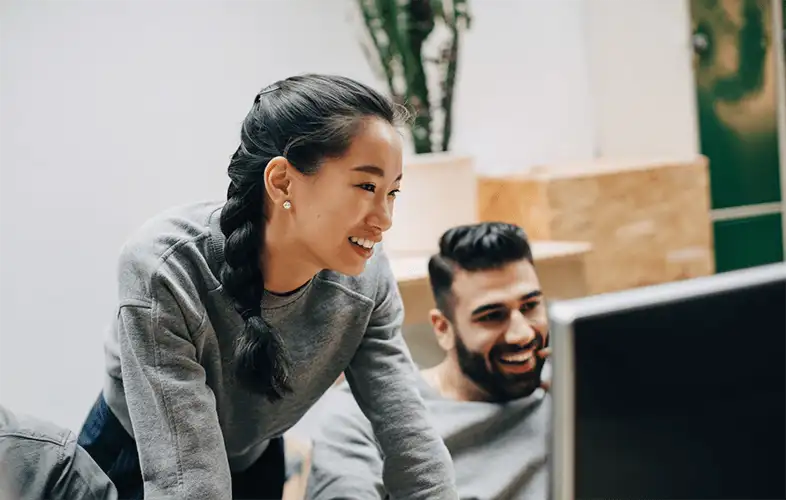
287, 205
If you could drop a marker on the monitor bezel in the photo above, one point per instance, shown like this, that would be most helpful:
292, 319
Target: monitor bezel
564, 314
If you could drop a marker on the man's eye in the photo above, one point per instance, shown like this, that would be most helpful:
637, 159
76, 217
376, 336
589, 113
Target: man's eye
529, 306
493, 317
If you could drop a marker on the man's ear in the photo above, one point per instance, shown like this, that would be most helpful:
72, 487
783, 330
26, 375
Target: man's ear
443, 330
277, 181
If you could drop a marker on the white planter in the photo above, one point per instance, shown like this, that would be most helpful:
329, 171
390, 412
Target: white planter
438, 191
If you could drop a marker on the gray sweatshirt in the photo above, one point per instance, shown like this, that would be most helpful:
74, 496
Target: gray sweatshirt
170, 364
499, 450
42, 461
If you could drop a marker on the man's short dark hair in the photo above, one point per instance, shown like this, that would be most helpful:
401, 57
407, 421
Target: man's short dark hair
474, 247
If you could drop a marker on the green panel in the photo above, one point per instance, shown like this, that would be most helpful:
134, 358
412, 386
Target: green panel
736, 92
742, 243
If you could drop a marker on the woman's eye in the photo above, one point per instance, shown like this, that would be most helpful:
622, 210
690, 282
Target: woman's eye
368, 187
394, 193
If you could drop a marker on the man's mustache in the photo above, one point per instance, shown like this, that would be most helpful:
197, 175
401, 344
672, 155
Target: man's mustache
536, 344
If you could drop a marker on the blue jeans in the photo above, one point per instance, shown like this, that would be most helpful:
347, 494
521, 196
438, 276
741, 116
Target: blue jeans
114, 450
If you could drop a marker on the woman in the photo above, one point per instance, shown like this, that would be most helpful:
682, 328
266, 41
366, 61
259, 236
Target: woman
235, 318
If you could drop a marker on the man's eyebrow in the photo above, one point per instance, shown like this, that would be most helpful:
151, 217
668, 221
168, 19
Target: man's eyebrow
487, 308
532, 295
375, 170
497, 305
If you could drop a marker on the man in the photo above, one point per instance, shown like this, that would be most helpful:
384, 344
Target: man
485, 397
41, 461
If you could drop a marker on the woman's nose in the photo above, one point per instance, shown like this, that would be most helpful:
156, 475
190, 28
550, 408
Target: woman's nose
382, 216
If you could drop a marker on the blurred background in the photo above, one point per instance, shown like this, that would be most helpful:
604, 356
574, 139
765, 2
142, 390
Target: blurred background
637, 142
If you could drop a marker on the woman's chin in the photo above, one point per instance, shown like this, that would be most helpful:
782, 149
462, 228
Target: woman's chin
350, 269
349, 265
350, 261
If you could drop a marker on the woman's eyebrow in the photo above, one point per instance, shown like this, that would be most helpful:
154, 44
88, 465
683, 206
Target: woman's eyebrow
374, 170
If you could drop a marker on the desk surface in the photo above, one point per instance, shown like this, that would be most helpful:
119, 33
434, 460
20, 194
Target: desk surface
415, 268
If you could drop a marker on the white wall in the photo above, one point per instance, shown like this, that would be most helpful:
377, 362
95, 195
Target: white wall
639, 57
548, 81
112, 110
524, 96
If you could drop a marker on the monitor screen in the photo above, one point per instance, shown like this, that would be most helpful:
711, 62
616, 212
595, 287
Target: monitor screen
682, 399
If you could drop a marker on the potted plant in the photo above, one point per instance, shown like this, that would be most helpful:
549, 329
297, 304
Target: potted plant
414, 46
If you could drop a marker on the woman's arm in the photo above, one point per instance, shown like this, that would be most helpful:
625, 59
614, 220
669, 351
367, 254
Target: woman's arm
172, 410
345, 458
417, 464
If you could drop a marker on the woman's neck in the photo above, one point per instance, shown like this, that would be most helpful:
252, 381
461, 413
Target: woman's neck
285, 265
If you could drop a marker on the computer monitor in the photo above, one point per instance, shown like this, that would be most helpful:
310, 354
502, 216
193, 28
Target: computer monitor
672, 391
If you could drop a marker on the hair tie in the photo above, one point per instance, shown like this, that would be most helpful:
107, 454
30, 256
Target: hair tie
247, 313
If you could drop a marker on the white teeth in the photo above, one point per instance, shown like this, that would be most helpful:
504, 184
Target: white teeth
518, 357
362, 242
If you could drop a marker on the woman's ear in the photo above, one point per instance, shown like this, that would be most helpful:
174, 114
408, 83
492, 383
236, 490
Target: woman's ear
443, 330
277, 180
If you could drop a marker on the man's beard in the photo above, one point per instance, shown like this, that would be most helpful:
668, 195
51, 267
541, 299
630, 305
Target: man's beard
500, 386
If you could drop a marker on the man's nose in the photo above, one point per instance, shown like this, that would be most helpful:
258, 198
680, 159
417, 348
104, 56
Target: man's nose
520, 331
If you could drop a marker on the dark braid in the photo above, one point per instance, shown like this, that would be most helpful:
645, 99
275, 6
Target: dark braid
304, 119
242, 222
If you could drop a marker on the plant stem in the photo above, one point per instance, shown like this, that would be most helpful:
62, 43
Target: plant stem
460, 14
420, 23
383, 51
450, 84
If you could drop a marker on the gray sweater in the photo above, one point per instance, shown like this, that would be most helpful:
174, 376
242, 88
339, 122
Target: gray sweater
42, 461
500, 451
170, 364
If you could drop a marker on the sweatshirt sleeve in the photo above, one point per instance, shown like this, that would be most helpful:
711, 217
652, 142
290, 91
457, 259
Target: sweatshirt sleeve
382, 378
41, 460
80, 477
172, 410
345, 459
